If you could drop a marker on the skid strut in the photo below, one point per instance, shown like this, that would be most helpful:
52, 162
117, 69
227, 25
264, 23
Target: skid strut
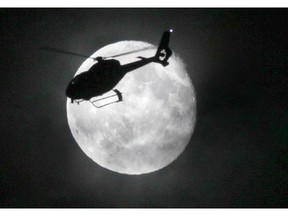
78, 101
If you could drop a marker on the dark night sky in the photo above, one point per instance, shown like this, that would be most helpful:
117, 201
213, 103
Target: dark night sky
237, 156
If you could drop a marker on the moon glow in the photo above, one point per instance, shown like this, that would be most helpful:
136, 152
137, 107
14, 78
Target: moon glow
150, 128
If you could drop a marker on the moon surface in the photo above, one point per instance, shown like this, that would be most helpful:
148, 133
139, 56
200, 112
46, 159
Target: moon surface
150, 128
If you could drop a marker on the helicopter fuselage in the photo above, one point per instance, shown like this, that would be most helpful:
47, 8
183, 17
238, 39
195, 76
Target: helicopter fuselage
106, 74
101, 78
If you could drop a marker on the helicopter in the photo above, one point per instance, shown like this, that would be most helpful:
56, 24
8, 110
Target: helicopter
104, 75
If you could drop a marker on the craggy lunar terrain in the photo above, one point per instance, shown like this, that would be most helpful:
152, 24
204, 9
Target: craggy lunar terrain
150, 128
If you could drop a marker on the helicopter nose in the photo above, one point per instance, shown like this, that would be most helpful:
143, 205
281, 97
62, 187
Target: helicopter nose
69, 91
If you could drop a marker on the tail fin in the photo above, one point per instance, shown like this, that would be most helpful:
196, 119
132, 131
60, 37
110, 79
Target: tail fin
164, 52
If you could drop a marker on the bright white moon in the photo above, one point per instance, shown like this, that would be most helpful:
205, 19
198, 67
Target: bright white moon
153, 124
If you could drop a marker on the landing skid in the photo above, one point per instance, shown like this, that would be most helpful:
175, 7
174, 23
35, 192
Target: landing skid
94, 103
118, 94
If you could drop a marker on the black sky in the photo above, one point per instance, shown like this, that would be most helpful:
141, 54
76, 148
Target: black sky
237, 156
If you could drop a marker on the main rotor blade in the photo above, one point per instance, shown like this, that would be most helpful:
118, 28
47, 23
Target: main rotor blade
134, 51
55, 50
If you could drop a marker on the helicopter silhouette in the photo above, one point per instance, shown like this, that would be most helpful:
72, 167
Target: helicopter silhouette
104, 75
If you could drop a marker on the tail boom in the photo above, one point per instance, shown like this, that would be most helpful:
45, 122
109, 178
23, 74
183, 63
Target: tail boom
162, 55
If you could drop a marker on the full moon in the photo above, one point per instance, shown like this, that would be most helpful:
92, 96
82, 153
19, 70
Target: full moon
153, 124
